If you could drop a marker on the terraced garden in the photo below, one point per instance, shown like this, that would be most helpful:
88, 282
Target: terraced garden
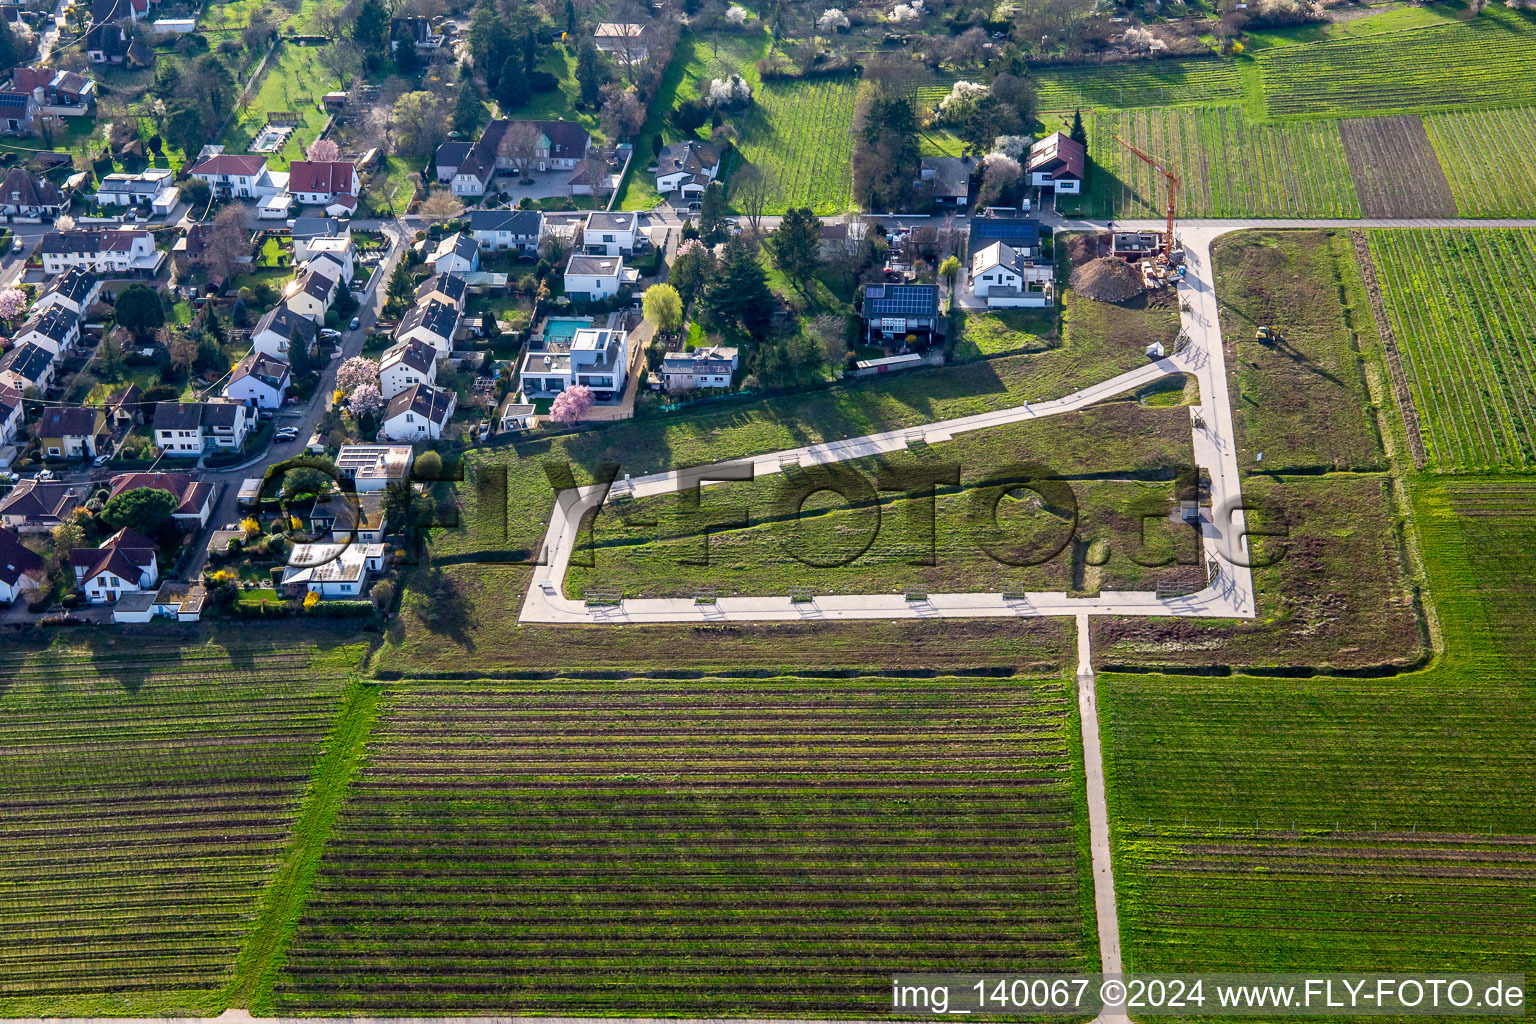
1484, 62
1489, 158
1229, 165
1464, 322
715, 847
1265, 824
146, 797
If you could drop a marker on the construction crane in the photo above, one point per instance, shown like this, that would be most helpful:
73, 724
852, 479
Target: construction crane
1173, 193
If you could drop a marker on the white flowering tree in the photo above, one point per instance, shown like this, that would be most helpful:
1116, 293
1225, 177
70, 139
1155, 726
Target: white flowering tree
907, 13
725, 93
356, 372
737, 15
366, 398
832, 20
961, 100
13, 303
1013, 146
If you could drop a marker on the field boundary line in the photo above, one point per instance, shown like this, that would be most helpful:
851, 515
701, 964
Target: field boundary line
1389, 344
282, 902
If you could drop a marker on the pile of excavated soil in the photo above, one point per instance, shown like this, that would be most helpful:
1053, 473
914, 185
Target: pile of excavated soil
1107, 279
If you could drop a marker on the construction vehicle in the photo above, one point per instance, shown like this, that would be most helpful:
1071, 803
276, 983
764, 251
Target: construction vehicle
1267, 335
1168, 264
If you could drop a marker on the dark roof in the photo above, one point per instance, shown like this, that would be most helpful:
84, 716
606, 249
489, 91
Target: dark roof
567, 139
47, 500
264, 368
230, 163
16, 559
316, 227
451, 285
12, 98
1020, 232
284, 321
417, 355
55, 323
519, 222
90, 241
1058, 154
74, 284
317, 285
438, 317
901, 300
221, 414
29, 362
690, 156
104, 12
423, 400
415, 29
178, 415
951, 175
19, 188
452, 154
122, 554
69, 421
594, 266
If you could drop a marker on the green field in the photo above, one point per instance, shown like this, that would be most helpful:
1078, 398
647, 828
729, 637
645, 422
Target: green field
1463, 318
1121, 462
1489, 158
294, 80
1228, 165
1302, 402
710, 848
1484, 62
1160, 83
148, 796
1225, 794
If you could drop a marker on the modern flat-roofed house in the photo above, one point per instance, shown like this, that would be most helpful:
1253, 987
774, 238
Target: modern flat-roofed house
710, 367
450, 289
332, 570
419, 413
687, 167
56, 328
506, 229
27, 366
609, 233
125, 563
1005, 277
132, 189
188, 429
75, 290
73, 432
113, 253
38, 506
280, 331
21, 568
308, 230
892, 312
432, 323
315, 183
373, 467
259, 380
23, 194
597, 277
406, 365
233, 175
339, 249
1057, 162
597, 357
194, 497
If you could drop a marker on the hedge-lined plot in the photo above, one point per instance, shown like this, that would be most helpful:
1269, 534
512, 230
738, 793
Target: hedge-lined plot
1489, 158
140, 817
1228, 165
721, 847
1487, 61
1138, 84
1462, 310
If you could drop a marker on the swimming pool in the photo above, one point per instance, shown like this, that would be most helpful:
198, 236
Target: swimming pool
559, 330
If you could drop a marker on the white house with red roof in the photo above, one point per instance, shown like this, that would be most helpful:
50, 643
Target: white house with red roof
315, 183
238, 176
1057, 162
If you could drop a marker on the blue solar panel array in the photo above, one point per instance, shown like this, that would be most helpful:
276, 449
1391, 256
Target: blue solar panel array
901, 300
1016, 232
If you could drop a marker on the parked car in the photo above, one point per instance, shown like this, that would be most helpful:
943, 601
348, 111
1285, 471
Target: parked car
286, 434
330, 332
101, 460
19, 245
354, 324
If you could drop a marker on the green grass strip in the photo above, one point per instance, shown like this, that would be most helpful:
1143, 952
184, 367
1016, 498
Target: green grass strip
283, 901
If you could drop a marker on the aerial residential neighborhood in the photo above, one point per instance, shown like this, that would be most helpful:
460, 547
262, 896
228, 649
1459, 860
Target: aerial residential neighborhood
747, 510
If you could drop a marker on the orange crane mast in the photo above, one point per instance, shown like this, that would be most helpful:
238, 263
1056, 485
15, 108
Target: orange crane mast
1173, 194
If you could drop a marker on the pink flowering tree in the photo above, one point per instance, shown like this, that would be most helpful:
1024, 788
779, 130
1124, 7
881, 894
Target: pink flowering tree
356, 372
571, 405
366, 398
13, 303
324, 151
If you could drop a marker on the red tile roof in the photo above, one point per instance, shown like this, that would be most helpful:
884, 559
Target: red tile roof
330, 178
231, 163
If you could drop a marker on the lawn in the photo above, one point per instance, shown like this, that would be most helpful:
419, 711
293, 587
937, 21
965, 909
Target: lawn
295, 81
1106, 527
1005, 332
561, 104
149, 793
1379, 824
1462, 316
1303, 401
571, 847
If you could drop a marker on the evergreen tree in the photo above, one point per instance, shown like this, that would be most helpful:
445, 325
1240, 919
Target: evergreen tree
570, 18
590, 73
511, 84
407, 60
1079, 133
712, 211
739, 293
795, 246
371, 27
469, 111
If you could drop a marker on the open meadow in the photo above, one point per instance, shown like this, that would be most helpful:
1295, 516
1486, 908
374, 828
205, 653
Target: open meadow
715, 847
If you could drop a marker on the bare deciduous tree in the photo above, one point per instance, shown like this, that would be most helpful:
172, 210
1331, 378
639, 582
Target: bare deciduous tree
226, 243
441, 204
520, 145
752, 191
